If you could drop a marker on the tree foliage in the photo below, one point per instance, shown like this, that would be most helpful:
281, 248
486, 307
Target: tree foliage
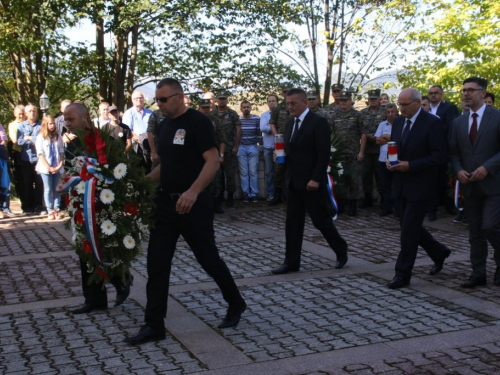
455, 40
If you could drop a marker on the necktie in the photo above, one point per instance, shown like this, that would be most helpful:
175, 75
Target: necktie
295, 130
473, 129
406, 131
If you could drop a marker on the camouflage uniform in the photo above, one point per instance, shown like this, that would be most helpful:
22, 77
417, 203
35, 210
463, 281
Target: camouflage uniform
153, 125
279, 118
229, 120
371, 121
349, 127
216, 184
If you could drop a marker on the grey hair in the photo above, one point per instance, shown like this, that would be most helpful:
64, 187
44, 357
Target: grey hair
19, 107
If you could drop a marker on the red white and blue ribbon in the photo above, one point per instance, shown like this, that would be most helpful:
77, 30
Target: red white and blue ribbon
70, 183
90, 218
457, 196
331, 194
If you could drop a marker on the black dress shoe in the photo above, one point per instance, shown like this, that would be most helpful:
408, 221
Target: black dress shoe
473, 282
385, 212
123, 293
438, 266
432, 216
146, 334
397, 282
233, 315
341, 263
285, 268
86, 308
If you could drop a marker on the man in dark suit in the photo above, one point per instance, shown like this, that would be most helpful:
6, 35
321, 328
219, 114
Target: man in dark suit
447, 112
307, 149
422, 148
475, 158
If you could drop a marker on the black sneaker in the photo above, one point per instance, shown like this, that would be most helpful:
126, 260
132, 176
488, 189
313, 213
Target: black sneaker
254, 200
245, 198
460, 218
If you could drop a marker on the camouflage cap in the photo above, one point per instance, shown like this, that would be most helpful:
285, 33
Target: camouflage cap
337, 87
205, 103
374, 94
311, 94
222, 94
286, 86
345, 95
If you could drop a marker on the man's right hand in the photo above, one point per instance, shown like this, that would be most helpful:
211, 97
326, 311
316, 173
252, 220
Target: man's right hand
155, 158
463, 176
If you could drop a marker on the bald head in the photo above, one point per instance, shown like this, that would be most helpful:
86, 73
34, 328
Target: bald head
76, 116
409, 102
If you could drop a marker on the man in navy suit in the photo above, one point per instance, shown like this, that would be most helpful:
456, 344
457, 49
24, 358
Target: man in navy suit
422, 148
475, 158
307, 150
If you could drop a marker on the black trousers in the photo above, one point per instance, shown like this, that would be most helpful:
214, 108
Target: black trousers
95, 294
33, 186
413, 234
483, 217
315, 203
198, 230
17, 173
386, 183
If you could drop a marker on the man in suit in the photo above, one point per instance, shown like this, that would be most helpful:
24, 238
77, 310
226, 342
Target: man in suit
307, 150
447, 112
422, 148
475, 158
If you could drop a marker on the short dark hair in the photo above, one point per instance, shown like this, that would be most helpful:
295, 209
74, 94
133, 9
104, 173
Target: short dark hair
425, 97
438, 86
482, 82
276, 96
296, 91
245, 102
490, 95
172, 83
392, 105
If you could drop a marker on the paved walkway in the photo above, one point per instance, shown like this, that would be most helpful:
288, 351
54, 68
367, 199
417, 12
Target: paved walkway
318, 321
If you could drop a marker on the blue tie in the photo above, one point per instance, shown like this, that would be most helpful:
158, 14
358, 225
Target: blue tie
406, 130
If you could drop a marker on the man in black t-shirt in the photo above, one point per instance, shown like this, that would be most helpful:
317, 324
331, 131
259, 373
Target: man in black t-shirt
118, 129
188, 162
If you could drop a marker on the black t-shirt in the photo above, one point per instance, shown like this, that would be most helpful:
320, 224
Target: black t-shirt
121, 131
181, 144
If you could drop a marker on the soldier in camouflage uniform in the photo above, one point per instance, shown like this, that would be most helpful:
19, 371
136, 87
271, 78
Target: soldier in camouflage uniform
215, 186
349, 128
372, 117
152, 133
231, 125
279, 117
335, 106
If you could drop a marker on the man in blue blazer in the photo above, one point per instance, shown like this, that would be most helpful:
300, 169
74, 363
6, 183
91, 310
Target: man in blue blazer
422, 148
475, 158
307, 150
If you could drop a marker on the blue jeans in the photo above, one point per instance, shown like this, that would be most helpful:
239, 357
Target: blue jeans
269, 165
50, 195
248, 158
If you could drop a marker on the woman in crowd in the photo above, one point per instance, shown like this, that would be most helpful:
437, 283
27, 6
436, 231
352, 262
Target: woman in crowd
50, 151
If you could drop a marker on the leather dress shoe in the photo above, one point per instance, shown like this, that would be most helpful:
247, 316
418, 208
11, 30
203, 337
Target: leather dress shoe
86, 308
385, 212
146, 334
341, 262
438, 266
432, 216
397, 282
473, 282
285, 268
233, 315
123, 293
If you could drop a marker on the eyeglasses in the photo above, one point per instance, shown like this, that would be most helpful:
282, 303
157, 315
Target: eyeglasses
165, 98
470, 91
434, 93
404, 105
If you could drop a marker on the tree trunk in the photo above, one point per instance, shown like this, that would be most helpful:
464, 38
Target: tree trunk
102, 74
133, 62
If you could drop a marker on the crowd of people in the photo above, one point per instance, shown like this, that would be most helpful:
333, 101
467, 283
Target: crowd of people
195, 155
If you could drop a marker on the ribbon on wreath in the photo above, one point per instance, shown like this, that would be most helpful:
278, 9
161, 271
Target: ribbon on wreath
331, 194
457, 196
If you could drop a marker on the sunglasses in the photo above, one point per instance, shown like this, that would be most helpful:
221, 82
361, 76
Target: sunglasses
165, 98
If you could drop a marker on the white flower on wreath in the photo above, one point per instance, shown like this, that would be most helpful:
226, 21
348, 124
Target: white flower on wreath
341, 169
108, 228
120, 171
107, 196
80, 187
128, 241
333, 149
328, 169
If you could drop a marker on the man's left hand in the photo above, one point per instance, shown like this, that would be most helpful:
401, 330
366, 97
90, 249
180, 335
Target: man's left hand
402, 166
312, 186
185, 202
479, 174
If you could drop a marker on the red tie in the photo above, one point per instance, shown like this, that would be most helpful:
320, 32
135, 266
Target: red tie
473, 129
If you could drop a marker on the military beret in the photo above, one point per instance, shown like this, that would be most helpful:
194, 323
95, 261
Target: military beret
345, 95
205, 103
374, 94
337, 87
222, 94
286, 86
311, 94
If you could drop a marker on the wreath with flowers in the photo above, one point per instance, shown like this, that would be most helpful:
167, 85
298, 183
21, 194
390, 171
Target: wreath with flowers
335, 167
109, 202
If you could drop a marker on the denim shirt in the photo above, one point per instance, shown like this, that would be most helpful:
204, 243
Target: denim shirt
266, 130
28, 152
136, 121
